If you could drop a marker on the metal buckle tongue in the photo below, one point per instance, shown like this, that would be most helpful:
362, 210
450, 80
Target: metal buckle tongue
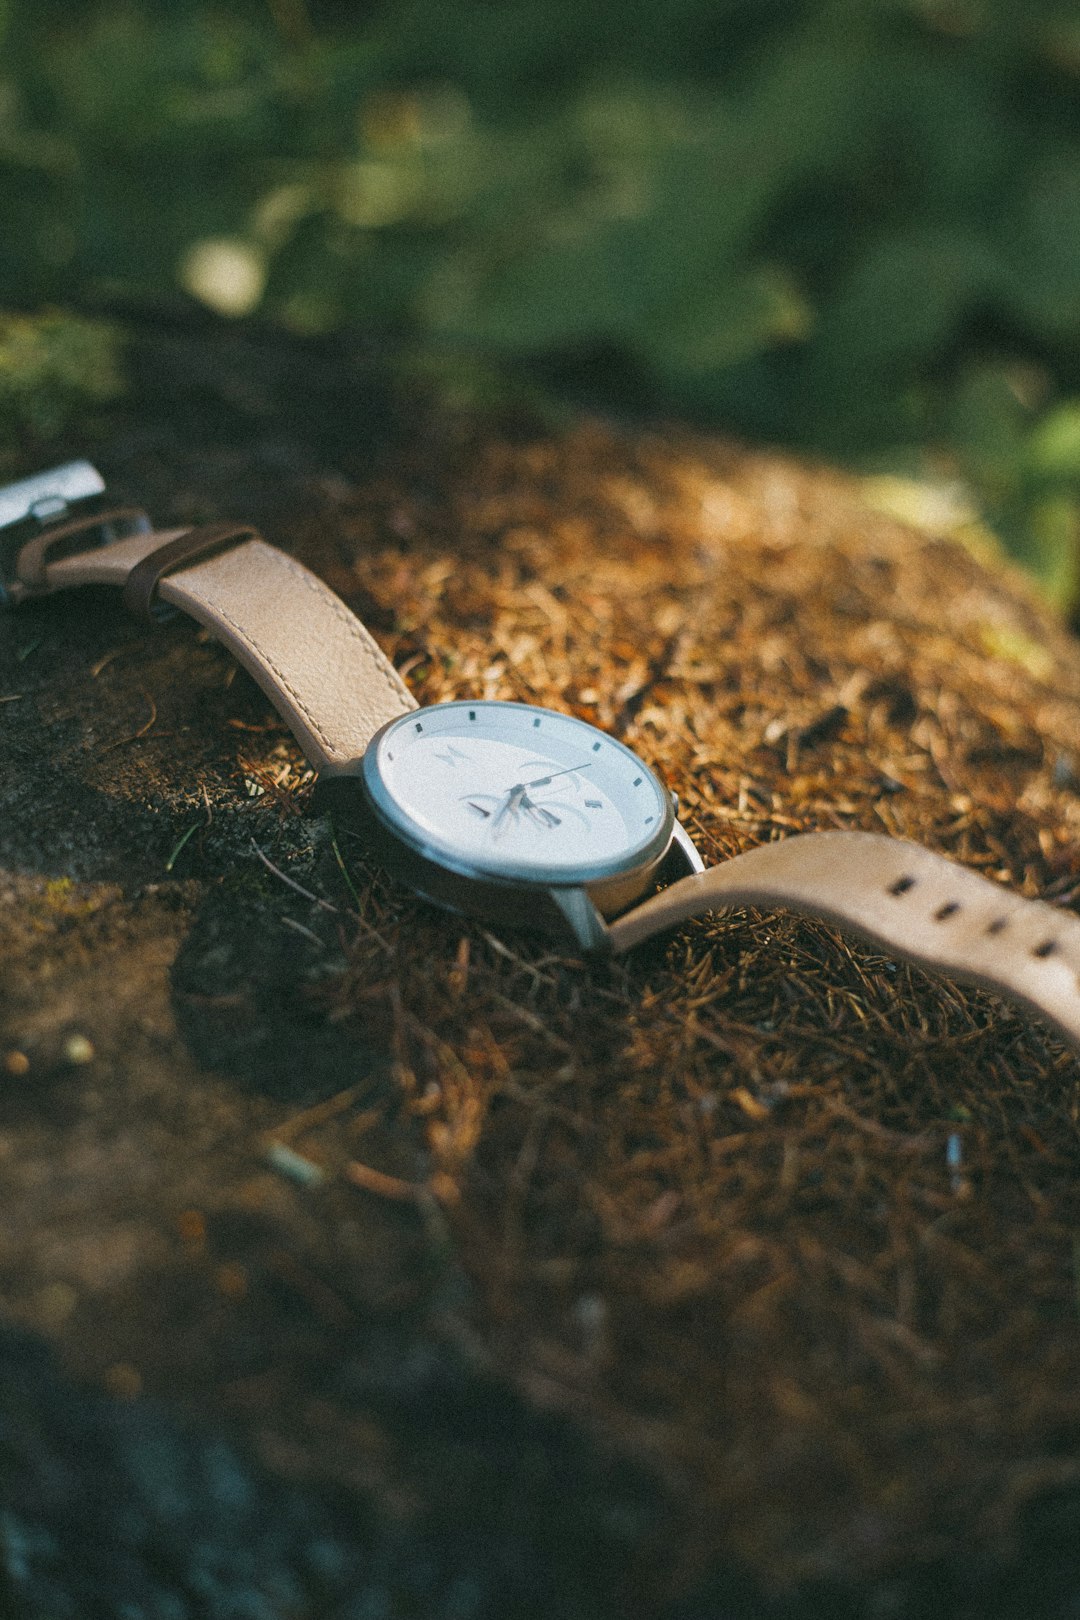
66, 506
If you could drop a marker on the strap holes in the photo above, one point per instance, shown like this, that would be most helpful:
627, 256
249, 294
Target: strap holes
1047, 948
998, 926
901, 886
949, 909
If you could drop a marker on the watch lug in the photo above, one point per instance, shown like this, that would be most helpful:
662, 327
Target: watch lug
682, 857
585, 922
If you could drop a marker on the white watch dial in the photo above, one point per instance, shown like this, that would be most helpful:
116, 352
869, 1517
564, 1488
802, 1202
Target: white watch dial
513, 791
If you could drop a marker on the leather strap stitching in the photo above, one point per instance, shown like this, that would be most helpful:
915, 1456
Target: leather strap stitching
280, 676
352, 625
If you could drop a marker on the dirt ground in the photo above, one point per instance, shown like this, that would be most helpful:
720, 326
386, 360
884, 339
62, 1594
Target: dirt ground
359, 1262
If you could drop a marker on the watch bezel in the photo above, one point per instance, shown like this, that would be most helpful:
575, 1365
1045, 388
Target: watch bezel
640, 859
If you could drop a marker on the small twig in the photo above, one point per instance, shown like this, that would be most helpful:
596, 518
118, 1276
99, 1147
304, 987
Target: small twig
378, 1182
511, 956
290, 922
16, 697
103, 663
121, 741
153, 717
459, 973
292, 883
317, 1114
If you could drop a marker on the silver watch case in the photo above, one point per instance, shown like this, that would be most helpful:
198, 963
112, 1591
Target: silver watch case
576, 908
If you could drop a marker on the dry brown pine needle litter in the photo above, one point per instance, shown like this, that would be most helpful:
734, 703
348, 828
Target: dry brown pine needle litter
794, 1226
796, 1223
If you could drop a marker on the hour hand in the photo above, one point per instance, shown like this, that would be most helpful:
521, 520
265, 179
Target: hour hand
497, 810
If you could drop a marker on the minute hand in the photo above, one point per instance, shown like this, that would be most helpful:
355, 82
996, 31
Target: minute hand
542, 781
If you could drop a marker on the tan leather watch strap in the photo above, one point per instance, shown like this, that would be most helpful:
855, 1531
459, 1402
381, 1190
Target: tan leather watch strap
914, 903
312, 657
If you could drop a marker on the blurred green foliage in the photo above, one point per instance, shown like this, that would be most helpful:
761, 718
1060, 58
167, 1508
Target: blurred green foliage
851, 226
51, 368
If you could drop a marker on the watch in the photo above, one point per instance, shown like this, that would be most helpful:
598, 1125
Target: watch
519, 815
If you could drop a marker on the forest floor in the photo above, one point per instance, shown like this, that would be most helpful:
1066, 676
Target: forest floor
358, 1262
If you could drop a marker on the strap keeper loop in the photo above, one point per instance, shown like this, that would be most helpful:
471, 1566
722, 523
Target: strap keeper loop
190, 547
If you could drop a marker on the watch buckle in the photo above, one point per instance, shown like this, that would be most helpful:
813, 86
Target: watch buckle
56, 513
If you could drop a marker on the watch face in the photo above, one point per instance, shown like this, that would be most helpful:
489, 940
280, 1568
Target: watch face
509, 791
